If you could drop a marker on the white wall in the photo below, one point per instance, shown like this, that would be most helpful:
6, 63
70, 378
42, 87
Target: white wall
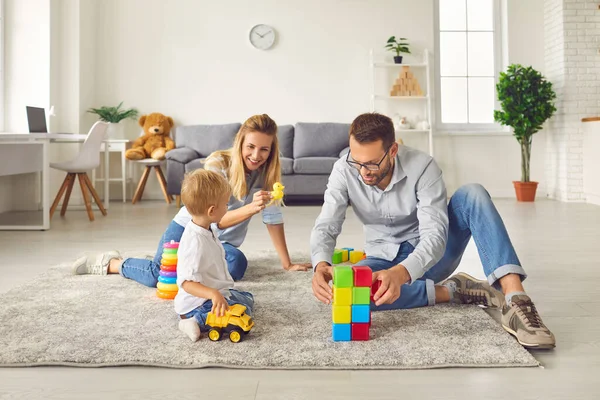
572, 59
26, 80
192, 60
27, 60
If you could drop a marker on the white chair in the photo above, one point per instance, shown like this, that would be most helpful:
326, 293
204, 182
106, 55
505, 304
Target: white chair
150, 163
87, 159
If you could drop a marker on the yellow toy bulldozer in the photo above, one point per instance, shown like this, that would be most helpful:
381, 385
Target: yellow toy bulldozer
236, 323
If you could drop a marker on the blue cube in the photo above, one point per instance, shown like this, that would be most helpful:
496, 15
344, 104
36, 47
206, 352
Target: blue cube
341, 332
361, 313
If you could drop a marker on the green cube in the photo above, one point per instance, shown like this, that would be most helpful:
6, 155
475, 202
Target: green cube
337, 257
361, 295
343, 276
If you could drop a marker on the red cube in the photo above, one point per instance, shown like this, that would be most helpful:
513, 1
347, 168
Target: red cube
360, 331
363, 276
375, 288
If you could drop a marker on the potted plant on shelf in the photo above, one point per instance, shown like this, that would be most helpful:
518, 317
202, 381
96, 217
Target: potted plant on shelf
114, 115
527, 101
398, 46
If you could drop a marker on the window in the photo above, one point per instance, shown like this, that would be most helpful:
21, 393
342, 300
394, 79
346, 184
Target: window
468, 48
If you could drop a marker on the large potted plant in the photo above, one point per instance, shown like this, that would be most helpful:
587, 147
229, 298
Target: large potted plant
397, 46
114, 115
527, 101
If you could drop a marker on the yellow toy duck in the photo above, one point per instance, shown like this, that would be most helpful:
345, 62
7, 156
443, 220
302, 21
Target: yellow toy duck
277, 193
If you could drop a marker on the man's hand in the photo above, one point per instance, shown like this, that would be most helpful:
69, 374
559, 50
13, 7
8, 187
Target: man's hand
391, 281
320, 282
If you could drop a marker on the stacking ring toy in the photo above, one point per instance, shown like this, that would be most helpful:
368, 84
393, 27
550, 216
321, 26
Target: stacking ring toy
168, 274
167, 256
171, 245
166, 287
168, 262
166, 295
164, 279
172, 268
169, 251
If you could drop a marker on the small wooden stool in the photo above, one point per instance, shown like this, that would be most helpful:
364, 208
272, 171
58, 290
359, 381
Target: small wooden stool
150, 163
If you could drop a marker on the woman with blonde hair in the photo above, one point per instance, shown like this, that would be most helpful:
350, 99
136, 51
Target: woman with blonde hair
251, 166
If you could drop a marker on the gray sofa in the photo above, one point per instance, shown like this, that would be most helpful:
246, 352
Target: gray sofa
308, 152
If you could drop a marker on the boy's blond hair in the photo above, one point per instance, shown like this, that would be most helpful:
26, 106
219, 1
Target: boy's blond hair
201, 189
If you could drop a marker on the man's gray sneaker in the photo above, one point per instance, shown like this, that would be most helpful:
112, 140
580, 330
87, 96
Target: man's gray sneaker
94, 265
521, 319
467, 290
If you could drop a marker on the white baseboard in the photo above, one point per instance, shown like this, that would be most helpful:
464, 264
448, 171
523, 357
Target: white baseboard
592, 199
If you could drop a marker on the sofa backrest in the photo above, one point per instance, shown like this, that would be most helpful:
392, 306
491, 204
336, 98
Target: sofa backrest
324, 139
207, 138
285, 134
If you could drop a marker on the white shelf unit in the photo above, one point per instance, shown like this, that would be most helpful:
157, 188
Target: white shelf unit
379, 98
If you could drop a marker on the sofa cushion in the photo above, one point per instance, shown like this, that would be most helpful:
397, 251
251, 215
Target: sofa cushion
314, 165
182, 155
320, 139
195, 164
207, 138
285, 134
287, 166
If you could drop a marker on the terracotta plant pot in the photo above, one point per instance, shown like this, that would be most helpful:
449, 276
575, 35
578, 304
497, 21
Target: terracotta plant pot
525, 190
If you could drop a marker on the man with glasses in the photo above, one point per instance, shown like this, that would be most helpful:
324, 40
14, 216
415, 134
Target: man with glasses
414, 238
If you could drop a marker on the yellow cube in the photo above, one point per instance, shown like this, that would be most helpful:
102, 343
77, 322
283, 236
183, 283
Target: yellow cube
341, 314
342, 296
345, 255
356, 256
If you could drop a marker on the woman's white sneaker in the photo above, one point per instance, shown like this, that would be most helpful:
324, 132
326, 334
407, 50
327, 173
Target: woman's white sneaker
94, 265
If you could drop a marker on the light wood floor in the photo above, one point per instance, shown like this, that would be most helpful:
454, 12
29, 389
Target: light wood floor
558, 243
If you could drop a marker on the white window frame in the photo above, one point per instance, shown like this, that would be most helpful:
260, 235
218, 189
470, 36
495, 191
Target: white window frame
466, 127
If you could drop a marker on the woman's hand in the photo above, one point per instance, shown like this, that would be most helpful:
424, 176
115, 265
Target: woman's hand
298, 267
259, 201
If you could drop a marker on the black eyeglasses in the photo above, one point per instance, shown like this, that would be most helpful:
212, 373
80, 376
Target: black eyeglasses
370, 166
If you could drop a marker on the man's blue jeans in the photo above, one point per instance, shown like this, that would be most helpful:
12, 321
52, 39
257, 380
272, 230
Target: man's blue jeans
146, 271
471, 213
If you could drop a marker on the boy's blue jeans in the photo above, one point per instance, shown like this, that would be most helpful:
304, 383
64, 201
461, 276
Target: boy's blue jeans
471, 213
235, 297
146, 271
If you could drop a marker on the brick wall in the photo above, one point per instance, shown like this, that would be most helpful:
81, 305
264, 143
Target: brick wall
572, 58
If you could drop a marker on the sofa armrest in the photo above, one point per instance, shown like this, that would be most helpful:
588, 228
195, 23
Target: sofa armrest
182, 154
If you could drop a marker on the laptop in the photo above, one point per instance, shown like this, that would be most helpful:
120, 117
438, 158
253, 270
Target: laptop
36, 117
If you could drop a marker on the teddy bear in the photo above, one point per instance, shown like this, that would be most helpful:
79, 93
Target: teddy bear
155, 141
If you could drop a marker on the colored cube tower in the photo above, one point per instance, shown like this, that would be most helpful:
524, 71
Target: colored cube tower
351, 309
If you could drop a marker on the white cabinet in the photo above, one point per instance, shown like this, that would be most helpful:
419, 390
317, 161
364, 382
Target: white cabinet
591, 160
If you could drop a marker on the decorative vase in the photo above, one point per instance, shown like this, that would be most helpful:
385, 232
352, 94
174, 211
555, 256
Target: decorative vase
115, 130
403, 124
398, 59
525, 190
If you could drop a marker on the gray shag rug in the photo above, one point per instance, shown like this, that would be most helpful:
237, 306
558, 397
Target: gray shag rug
98, 321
